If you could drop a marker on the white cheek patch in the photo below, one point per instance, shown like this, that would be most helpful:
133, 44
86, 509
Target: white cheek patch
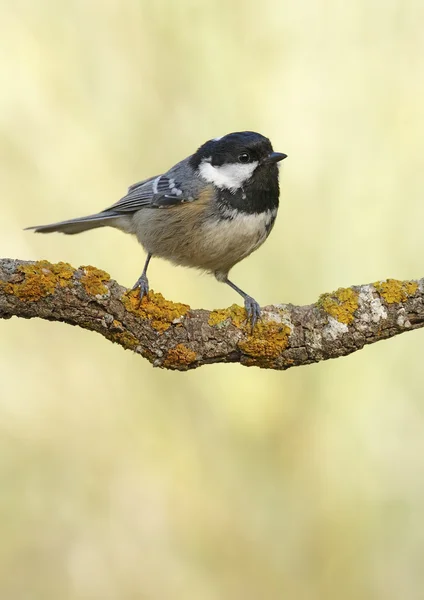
230, 176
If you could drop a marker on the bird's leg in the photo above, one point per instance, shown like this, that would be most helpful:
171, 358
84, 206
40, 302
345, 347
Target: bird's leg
142, 282
252, 308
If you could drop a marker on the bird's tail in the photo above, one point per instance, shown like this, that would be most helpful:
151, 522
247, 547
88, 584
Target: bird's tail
80, 224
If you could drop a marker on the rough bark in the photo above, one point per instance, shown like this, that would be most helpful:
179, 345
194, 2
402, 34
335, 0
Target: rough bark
173, 336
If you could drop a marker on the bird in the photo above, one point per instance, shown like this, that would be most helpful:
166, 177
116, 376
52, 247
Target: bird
209, 211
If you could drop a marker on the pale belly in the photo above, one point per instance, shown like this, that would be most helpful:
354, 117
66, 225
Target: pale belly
184, 239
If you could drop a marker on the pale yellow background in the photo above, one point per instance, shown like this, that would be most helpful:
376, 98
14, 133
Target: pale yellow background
118, 481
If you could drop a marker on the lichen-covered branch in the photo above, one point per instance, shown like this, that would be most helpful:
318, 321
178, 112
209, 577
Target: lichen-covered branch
173, 336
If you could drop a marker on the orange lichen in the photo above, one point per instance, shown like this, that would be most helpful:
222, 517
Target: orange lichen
162, 313
179, 357
93, 280
264, 343
125, 339
236, 314
267, 342
395, 291
341, 304
119, 335
39, 279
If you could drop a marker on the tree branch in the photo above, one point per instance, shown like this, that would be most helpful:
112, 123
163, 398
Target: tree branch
173, 336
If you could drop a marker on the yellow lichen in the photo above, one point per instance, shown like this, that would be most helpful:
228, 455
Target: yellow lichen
341, 304
162, 313
264, 343
125, 339
93, 280
236, 314
395, 291
267, 342
180, 356
39, 279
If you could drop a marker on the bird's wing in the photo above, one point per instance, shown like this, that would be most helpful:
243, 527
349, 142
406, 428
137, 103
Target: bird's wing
157, 192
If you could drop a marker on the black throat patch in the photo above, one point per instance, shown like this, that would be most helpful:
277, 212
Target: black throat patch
259, 194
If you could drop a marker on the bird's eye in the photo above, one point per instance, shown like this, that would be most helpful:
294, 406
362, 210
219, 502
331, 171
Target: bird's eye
244, 157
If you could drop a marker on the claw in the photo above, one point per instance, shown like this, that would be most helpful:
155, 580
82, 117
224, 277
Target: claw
253, 310
142, 283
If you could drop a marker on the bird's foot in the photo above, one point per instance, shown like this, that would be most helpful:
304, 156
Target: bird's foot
143, 284
253, 310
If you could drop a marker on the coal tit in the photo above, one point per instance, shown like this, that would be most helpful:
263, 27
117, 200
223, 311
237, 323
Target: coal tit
209, 211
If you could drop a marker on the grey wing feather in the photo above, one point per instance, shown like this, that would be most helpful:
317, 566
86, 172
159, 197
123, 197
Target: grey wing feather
141, 183
156, 192
139, 195
161, 191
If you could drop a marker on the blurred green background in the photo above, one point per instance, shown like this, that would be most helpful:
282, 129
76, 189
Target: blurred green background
118, 481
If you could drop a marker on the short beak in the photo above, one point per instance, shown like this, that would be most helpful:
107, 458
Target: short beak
275, 157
